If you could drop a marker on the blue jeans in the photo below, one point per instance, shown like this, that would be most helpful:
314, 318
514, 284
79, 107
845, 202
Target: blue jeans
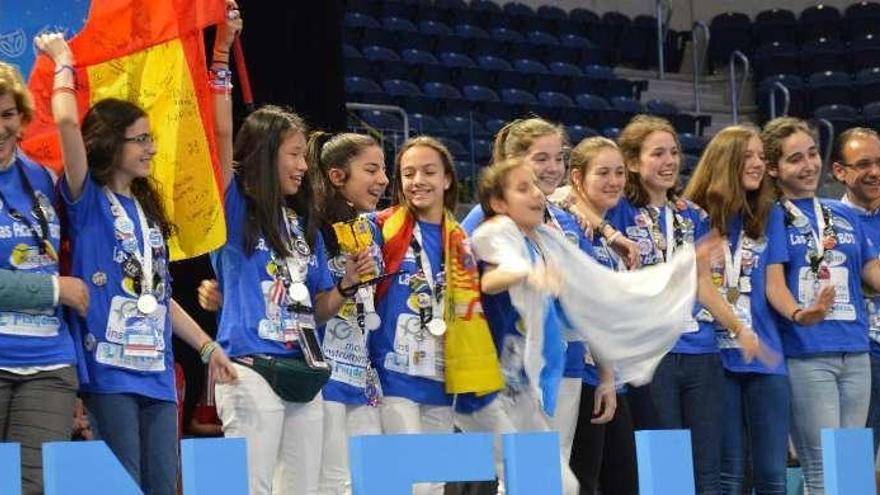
687, 394
827, 391
874, 407
142, 433
756, 410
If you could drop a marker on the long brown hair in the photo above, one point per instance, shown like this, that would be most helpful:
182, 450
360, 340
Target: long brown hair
333, 151
11, 82
103, 131
716, 184
450, 196
630, 141
256, 157
493, 181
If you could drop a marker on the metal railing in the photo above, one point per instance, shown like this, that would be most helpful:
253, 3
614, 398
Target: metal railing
825, 145
786, 98
662, 11
735, 89
698, 66
383, 108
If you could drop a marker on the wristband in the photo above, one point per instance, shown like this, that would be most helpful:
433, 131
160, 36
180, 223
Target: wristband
206, 350
795, 313
614, 237
601, 227
64, 67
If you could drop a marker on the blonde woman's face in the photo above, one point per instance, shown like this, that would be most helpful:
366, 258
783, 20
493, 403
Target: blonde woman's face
659, 161
10, 127
546, 158
754, 168
604, 180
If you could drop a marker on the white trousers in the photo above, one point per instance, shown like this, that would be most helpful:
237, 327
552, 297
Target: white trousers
491, 418
400, 415
281, 436
342, 421
566, 417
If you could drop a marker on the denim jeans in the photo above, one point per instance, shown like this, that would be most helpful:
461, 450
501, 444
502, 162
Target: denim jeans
756, 415
827, 391
687, 394
142, 433
874, 408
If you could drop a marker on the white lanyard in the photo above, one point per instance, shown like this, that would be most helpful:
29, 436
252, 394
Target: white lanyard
297, 265
554, 220
426, 266
615, 258
670, 228
143, 255
820, 222
733, 262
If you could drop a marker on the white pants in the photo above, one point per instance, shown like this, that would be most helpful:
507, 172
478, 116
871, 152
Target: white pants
281, 435
491, 418
342, 421
401, 415
566, 417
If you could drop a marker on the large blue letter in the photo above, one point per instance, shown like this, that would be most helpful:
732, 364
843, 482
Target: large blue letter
10, 468
665, 462
84, 468
214, 465
848, 461
531, 463
390, 464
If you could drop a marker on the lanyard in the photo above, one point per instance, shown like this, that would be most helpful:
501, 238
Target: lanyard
733, 265
125, 230
42, 237
430, 303
656, 234
823, 222
619, 266
296, 262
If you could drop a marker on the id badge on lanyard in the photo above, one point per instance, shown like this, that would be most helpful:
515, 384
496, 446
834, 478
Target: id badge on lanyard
141, 338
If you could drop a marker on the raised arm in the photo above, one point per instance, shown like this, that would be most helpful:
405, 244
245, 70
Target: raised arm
221, 86
65, 111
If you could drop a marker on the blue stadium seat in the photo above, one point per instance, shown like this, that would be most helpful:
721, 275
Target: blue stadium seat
507, 34
794, 84
638, 43
516, 9
661, 108
349, 51
478, 76
550, 82
452, 59
378, 37
495, 125
398, 24
842, 116
464, 125
416, 56
380, 53
435, 28
404, 10
575, 41
397, 87
456, 148
490, 62
689, 164
513, 79
592, 102
577, 133
357, 19
426, 124
474, 92
359, 85
525, 50
482, 151
542, 38
441, 90
381, 120
862, 18
867, 86
823, 55
565, 69
730, 31
585, 17
361, 6
778, 57
487, 6
871, 114
554, 99
551, 12
820, 21
691, 144
611, 132
599, 72
775, 25
828, 88
518, 97
628, 105
607, 33
451, 4
865, 52
529, 66
469, 31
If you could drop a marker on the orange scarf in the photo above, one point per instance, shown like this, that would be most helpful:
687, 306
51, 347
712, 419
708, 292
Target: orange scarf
471, 360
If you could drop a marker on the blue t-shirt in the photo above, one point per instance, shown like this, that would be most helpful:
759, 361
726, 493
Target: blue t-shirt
693, 223
409, 360
344, 342
871, 226
125, 350
752, 304
845, 328
34, 337
249, 322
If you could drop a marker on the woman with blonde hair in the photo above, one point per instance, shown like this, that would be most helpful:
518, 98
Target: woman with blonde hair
731, 185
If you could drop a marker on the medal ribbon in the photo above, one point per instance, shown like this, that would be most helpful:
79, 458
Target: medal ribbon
423, 266
733, 263
290, 264
144, 255
822, 222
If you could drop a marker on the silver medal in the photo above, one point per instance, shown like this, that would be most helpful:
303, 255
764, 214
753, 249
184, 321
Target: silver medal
147, 303
99, 279
372, 321
437, 327
424, 300
299, 292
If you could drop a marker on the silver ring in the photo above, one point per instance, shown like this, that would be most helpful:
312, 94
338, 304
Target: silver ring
232, 15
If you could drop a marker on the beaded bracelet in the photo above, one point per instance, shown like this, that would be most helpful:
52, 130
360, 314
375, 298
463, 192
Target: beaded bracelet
64, 89
346, 292
62, 68
206, 350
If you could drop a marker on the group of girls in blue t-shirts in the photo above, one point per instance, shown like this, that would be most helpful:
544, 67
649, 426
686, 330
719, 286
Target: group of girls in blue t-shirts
427, 324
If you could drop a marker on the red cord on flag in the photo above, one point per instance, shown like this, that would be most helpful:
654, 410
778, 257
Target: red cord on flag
243, 78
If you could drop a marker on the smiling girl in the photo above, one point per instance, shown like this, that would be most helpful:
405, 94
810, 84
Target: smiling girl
828, 365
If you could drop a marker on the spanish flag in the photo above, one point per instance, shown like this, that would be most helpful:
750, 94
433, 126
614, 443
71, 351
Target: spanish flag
149, 52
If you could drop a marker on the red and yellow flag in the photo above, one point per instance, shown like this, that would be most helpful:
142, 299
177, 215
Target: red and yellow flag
149, 52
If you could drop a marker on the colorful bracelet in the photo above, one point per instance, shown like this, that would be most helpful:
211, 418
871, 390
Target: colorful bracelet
795, 313
346, 292
62, 68
64, 89
206, 350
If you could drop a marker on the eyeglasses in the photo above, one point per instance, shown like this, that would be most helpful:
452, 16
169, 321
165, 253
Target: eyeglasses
144, 139
863, 165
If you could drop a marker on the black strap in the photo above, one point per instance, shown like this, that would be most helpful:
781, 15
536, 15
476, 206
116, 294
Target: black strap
42, 238
426, 314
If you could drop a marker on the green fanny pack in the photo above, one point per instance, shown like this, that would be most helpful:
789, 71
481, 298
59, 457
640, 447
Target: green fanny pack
290, 377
